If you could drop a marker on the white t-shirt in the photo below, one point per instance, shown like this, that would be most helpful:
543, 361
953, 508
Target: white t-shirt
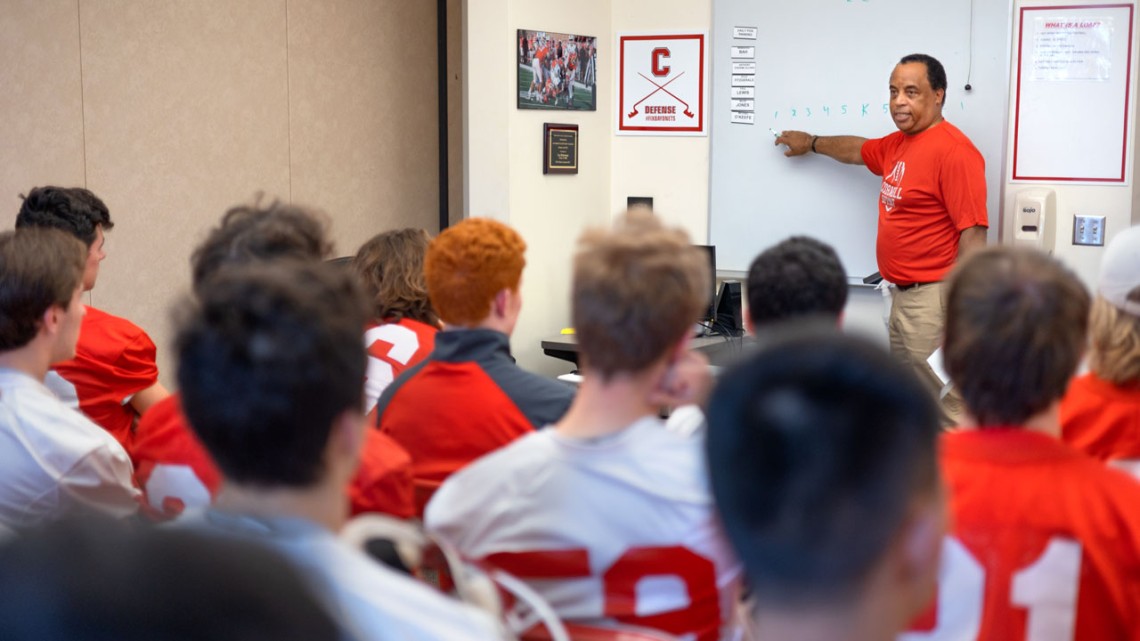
368, 600
54, 461
621, 527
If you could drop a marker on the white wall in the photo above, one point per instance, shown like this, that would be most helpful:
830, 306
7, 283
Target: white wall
1112, 201
504, 157
673, 170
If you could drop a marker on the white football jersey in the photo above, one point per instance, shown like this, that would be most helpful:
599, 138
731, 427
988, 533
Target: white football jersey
615, 528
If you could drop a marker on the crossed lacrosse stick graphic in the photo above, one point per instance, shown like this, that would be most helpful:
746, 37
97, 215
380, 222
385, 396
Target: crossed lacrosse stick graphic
659, 88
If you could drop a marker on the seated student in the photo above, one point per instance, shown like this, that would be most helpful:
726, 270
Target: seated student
1100, 413
1045, 540
404, 324
53, 460
469, 398
271, 366
113, 377
586, 509
797, 278
822, 455
90, 580
173, 468
400, 335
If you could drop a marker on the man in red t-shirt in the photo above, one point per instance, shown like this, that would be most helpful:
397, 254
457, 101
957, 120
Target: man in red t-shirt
932, 207
113, 377
1045, 542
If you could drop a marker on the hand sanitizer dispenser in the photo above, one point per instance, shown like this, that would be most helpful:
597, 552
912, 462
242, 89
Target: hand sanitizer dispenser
1035, 219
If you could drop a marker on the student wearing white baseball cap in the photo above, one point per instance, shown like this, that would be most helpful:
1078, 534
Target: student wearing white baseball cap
1100, 413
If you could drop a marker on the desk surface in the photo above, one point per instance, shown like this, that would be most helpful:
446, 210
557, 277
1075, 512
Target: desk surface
720, 350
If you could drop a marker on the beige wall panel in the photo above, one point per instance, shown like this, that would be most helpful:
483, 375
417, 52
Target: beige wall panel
362, 87
186, 114
41, 102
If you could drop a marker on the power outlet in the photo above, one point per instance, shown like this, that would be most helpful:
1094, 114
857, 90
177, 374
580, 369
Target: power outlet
1088, 230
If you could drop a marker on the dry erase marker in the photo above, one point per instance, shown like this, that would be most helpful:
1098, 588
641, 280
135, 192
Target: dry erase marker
773, 132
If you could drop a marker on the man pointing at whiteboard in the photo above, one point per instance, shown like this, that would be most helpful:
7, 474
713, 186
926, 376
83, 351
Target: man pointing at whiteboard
932, 207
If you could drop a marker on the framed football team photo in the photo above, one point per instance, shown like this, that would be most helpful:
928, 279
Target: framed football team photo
557, 71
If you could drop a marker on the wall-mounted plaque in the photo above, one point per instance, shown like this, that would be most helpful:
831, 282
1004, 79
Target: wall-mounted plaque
559, 148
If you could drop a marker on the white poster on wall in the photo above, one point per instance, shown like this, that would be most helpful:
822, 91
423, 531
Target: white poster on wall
661, 84
1072, 95
1071, 48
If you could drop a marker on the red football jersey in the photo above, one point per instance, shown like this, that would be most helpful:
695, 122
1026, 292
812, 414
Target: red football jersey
1045, 543
393, 348
114, 360
172, 467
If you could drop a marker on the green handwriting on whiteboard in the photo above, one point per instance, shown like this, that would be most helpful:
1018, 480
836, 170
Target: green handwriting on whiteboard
865, 110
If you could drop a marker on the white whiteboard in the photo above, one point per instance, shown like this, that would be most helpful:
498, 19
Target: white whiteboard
829, 60
1071, 93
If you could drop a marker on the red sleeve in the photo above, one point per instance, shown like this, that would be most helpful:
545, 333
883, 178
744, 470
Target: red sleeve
872, 152
963, 185
135, 369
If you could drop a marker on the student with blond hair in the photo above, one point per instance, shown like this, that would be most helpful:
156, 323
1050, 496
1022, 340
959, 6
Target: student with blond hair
1100, 413
400, 334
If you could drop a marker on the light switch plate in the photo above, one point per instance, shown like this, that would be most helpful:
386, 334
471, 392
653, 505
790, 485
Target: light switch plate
1088, 230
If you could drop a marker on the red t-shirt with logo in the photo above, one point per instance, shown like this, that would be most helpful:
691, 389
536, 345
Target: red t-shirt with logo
934, 186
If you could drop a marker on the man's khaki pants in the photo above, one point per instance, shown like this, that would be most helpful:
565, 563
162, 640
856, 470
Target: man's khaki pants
915, 327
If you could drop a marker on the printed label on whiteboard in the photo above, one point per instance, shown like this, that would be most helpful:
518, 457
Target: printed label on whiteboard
744, 52
744, 33
743, 105
744, 81
743, 92
744, 67
744, 117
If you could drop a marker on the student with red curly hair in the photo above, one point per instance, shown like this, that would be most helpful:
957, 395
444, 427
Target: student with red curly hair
469, 397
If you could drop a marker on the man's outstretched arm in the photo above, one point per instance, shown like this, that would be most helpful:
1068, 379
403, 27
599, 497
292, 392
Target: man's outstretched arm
845, 149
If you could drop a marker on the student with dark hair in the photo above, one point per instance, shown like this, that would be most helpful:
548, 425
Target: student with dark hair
822, 454
271, 365
796, 278
90, 580
53, 460
172, 467
112, 377
1044, 537
606, 497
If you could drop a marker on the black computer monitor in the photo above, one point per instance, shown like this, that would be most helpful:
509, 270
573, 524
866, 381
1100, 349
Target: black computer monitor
710, 313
